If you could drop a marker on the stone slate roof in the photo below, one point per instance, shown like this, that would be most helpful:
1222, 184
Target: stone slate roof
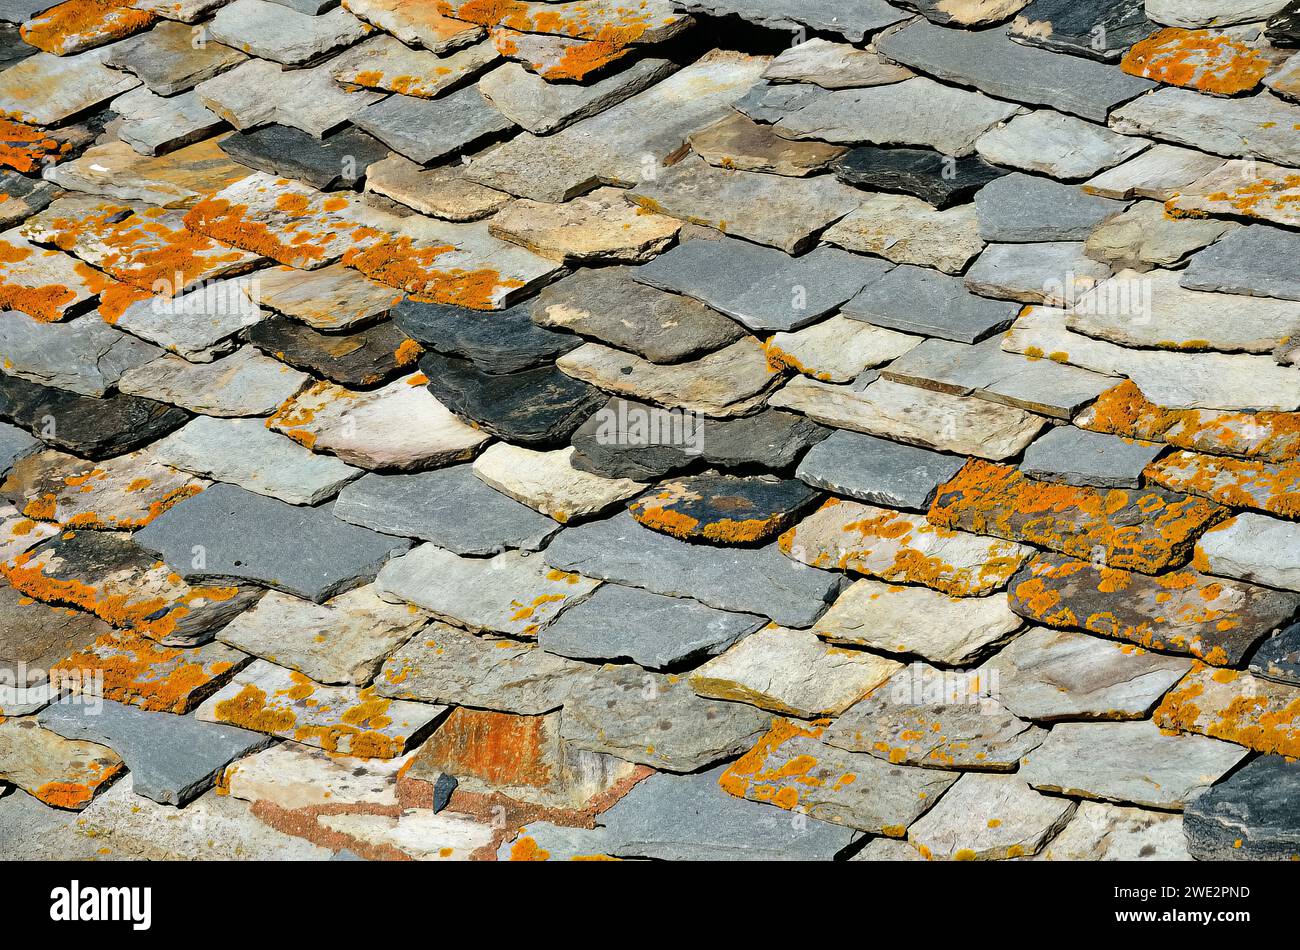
505, 429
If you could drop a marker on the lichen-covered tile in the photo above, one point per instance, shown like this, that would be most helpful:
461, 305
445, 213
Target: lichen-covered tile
1097, 29
442, 192
1242, 189
548, 482
416, 23
69, 85
1263, 486
33, 637
330, 298
989, 818
44, 283
63, 773
1248, 817
22, 196
77, 25
176, 180
1146, 236
293, 777
724, 509
384, 62
1233, 705
1210, 61
652, 22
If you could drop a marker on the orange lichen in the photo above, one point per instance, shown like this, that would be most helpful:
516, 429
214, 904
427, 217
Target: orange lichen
407, 352
1123, 410
227, 223
80, 24
1242, 484
1236, 707
502, 749
25, 147
1198, 59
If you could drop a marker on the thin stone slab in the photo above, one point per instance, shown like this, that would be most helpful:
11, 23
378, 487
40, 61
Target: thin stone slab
972, 13
339, 160
292, 776
918, 300
345, 640
756, 581
1260, 125
1247, 189
72, 28
15, 444
931, 176
257, 92
426, 130
656, 720
1253, 548
1235, 706
1248, 817
989, 818
384, 62
793, 769
45, 284
907, 230
416, 23
651, 630
934, 719
723, 509
738, 142
1021, 208
85, 356
1145, 237
769, 102
244, 383
1211, 12
543, 107
1057, 145
1097, 29
302, 551
22, 197
512, 594
154, 125
1052, 272
173, 759
1265, 436
1283, 27
442, 664
599, 227
497, 342
178, 179
1250, 260
1278, 657
878, 471
837, 349
897, 546
1213, 62
360, 359
1100, 832
1261, 486
443, 192
449, 506
167, 61
851, 20
1129, 762
756, 285
917, 621
556, 57
1049, 675
1080, 457
991, 62
62, 773
331, 298
270, 699
69, 85
918, 112
651, 22
275, 32
1157, 173
35, 638
966, 425
1184, 611
548, 482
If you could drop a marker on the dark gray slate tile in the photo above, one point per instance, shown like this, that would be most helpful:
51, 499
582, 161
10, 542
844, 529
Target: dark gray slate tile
425, 130
1283, 27
13, 49
760, 286
921, 172
497, 341
336, 161
84, 425
747, 580
770, 102
172, 759
248, 537
533, 407
358, 360
15, 444
989, 61
919, 300
1278, 657
1257, 260
651, 630
451, 507
724, 509
1079, 457
1251, 816
1097, 29
1026, 208
23, 197
877, 470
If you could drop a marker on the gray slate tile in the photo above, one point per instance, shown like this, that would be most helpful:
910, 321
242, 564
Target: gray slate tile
1257, 260
851, 19
1021, 208
336, 161
1251, 816
499, 341
1097, 29
919, 300
877, 470
15, 444
1278, 657
425, 130
1080, 457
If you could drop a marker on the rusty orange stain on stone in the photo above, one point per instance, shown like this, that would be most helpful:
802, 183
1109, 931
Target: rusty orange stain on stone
1199, 59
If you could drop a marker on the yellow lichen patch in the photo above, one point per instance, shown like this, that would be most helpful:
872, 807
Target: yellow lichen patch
26, 147
1236, 707
1267, 436
80, 24
1123, 410
219, 219
1241, 484
1198, 59
763, 774
398, 262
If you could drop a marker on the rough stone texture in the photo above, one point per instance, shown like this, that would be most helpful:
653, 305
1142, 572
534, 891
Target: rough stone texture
922, 173
1249, 189
291, 775
723, 509
245, 383
877, 470
442, 192
339, 160
1145, 236
1128, 762
1021, 208
497, 342
601, 226
1259, 125
907, 230
548, 482
63, 773
837, 349
988, 818
1101, 832
1253, 548
15, 444
1278, 658
425, 130
384, 62
258, 92
331, 298
1258, 485
175, 180
1098, 29
738, 142
1250, 816
360, 359
917, 300
1057, 145
416, 23
167, 61
543, 107
757, 581
851, 20
1157, 173
154, 125
1211, 12
35, 638
1080, 457
1250, 260
1236, 706
69, 85
275, 32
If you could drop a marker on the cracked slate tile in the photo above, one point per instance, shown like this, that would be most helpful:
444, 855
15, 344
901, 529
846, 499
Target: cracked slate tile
85, 356
987, 817
275, 32
63, 773
245, 383
938, 179
69, 85
1057, 145
1158, 173
907, 230
1250, 260
1097, 29
1249, 816
340, 160
548, 482
167, 60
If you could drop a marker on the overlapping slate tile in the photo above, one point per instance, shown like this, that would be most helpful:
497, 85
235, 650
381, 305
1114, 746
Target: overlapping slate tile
26, 147
1260, 125
1080, 457
1254, 548
853, 21
907, 230
833, 66
77, 25
425, 130
243, 536
497, 342
918, 300
258, 91
738, 142
722, 509
1021, 208
651, 22
769, 102
36, 637
1100, 832
1266, 436
331, 298
69, 85
168, 61
44, 283
1222, 12
1251, 189
22, 196
760, 286
917, 620
1250, 260
598, 227
276, 32
877, 470
1261, 486
63, 773
1145, 236
929, 175
416, 23
1276, 657
293, 776
84, 356
419, 834
543, 106
362, 358
1211, 62
270, 699
339, 160
245, 383
512, 593
989, 818
1233, 705
837, 349
441, 192
1058, 145
384, 62
1097, 29
1283, 27
1157, 173
548, 482
155, 125
1248, 816
178, 179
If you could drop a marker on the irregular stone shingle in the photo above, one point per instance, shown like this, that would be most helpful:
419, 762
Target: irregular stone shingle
425, 130
78, 25
931, 176
1098, 29
15, 444
833, 66
1080, 457
1157, 173
1021, 208
1254, 548
275, 32
1250, 816
1234, 705
384, 62
416, 23
1250, 260
68, 84
168, 61
45, 284
1278, 657
1208, 61
556, 57
1145, 236
548, 482
63, 773
738, 142
723, 509
599, 227
175, 180
245, 383
1247, 189
906, 230
544, 107
442, 192
837, 349
339, 160
877, 470
361, 358
35, 638
1057, 145
503, 341
154, 125
22, 196
851, 20
1211, 12
1260, 125
302, 551
257, 92
918, 300
989, 818
1259, 485
1052, 272
331, 298
1100, 832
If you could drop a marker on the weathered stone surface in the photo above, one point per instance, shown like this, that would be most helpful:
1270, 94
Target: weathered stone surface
936, 719
35, 637
602, 226
929, 175
897, 546
186, 11
279, 702
737, 579
175, 180
1098, 29
172, 759
989, 818
1211, 12
1278, 657
652, 22
651, 630
441, 192
359, 359
989, 61
1020, 208
258, 92
450, 507
302, 551
442, 664
791, 672
417, 833
907, 230
887, 849
503, 341
68, 85
1259, 485
973, 13
723, 509
1247, 189
772, 210
416, 23
1283, 27
1145, 236
74, 27
917, 112
1248, 817
853, 21
275, 32
963, 424
792, 768
769, 102
1209, 61
384, 62
756, 285
22, 197
331, 298
154, 125
1230, 704
877, 470
1080, 457
1047, 675
1157, 173
837, 349
15, 444
1100, 832
544, 107
168, 61
63, 773
400, 427
245, 453
339, 160
557, 57
1128, 762
915, 620
425, 130
511, 593
607, 304
1057, 145
245, 383
1266, 436
535, 407
656, 720
1254, 548
45, 284
548, 482
1250, 260
918, 300
291, 776
342, 641
738, 142
1286, 80
611, 148
1258, 125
